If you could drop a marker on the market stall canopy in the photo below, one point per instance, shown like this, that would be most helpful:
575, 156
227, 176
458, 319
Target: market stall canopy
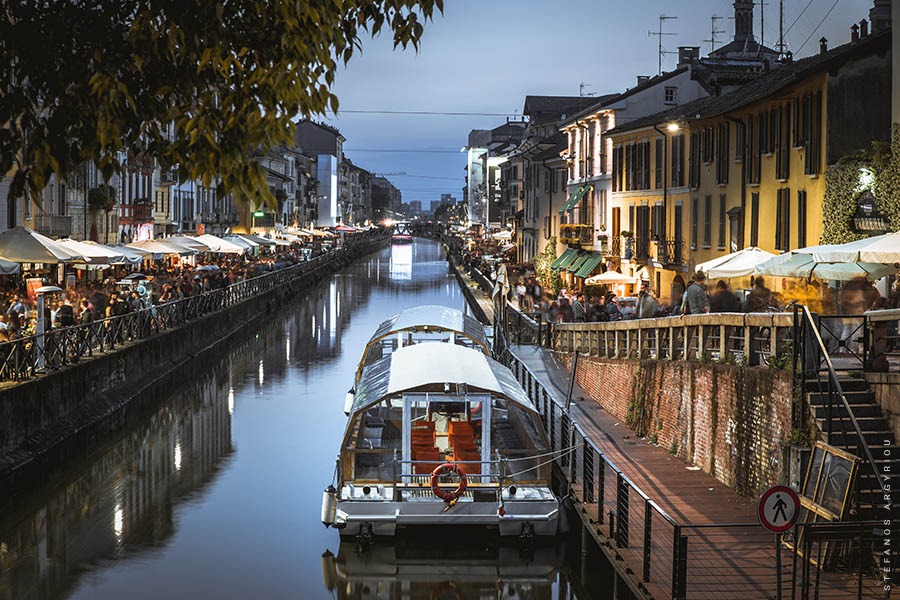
503, 235
291, 238
189, 242
345, 228
737, 264
22, 245
94, 254
162, 247
801, 264
883, 249
280, 242
609, 278
220, 245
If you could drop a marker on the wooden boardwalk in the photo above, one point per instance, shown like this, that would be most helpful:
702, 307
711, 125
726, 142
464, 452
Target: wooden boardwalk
729, 556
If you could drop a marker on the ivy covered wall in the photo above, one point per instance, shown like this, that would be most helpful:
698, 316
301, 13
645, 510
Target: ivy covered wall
841, 183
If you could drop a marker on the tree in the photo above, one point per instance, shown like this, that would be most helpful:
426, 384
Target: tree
551, 279
196, 85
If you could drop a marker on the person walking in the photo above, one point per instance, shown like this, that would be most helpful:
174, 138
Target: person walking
578, 311
647, 306
723, 300
696, 302
760, 297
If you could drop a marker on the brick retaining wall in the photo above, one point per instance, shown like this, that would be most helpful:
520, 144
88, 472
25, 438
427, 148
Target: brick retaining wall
725, 419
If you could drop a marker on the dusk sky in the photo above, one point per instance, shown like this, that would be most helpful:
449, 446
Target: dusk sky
486, 56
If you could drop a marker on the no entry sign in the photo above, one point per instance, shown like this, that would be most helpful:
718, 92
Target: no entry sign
779, 507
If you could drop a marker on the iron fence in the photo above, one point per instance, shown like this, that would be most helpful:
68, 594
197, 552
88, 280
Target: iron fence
27, 357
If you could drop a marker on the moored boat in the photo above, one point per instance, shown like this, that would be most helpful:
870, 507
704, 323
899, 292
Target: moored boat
441, 434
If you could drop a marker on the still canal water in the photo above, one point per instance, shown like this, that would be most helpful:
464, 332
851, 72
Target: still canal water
217, 494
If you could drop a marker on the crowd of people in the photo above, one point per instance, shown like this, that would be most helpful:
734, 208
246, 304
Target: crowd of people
160, 282
849, 298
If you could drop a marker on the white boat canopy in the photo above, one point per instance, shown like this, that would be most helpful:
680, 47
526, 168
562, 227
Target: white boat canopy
429, 319
427, 367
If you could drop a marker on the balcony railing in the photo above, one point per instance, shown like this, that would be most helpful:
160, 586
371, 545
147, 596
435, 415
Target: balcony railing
577, 234
53, 225
670, 252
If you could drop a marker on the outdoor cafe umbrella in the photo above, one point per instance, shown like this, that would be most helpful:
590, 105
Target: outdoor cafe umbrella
609, 278
501, 285
219, 245
22, 245
189, 242
162, 247
94, 254
503, 235
8, 267
878, 249
134, 256
736, 264
803, 264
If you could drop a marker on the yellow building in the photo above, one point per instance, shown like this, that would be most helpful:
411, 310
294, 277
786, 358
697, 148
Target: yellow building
744, 169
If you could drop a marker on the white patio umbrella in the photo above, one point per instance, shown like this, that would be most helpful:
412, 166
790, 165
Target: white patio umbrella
736, 264
238, 240
133, 256
501, 285
609, 278
22, 245
162, 247
801, 264
878, 249
220, 245
9, 268
189, 242
503, 235
94, 254
261, 241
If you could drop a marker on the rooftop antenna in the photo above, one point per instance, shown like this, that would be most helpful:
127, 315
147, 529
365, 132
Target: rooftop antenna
660, 35
762, 22
712, 38
583, 93
780, 28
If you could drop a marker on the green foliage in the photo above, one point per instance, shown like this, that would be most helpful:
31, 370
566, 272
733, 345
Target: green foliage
798, 437
102, 197
197, 85
673, 449
654, 439
782, 361
550, 279
842, 178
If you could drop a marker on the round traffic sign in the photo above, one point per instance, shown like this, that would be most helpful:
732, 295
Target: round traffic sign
778, 509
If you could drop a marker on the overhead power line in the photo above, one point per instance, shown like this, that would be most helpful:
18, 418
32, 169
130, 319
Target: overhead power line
413, 151
817, 26
791, 26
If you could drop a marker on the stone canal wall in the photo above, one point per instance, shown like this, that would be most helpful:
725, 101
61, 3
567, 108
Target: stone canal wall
74, 408
729, 421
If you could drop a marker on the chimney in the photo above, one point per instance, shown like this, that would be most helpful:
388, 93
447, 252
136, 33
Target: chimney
854, 33
743, 20
688, 54
642, 79
880, 15
863, 29
823, 45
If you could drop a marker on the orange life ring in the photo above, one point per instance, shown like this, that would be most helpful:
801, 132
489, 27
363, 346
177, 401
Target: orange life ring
445, 469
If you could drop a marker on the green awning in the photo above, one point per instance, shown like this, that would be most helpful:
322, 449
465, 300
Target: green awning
576, 264
565, 260
574, 198
588, 266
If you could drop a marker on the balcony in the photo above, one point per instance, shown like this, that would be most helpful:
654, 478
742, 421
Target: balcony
670, 252
266, 220
577, 234
53, 225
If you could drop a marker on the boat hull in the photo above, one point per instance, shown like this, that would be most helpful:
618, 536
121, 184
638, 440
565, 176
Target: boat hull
540, 517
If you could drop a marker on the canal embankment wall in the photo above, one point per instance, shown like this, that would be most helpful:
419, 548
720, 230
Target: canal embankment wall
730, 421
72, 409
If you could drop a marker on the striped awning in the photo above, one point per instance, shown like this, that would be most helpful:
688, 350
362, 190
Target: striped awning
588, 266
574, 198
576, 264
565, 259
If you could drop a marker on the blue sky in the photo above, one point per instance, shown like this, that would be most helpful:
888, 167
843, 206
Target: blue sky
486, 56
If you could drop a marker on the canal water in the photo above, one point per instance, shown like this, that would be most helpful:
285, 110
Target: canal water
217, 493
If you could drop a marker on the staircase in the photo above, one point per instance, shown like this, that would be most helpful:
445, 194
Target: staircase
875, 429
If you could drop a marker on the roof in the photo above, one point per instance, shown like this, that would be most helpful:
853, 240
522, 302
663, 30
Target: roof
427, 367
749, 48
553, 108
609, 99
764, 85
429, 318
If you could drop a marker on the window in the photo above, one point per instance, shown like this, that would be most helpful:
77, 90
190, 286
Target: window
695, 217
754, 219
721, 221
722, 145
658, 172
783, 219
592, 136
707, 221
694, 161
601, 207
782, 142
657, 223
617, 168
814, 140
678, 160
801, 219
762, 122
61, 203
795, 122
671, 94
645, 165
774, 126
739, 141
708, 145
